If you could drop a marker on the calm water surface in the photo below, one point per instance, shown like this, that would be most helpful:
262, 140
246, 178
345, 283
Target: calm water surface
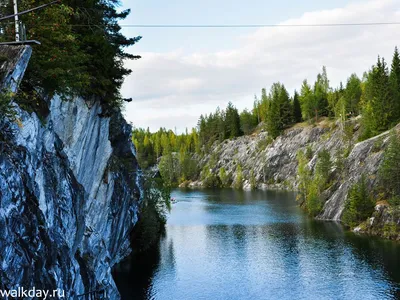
227, 244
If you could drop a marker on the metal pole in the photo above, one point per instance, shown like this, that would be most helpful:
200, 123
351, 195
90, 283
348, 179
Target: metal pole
16, 21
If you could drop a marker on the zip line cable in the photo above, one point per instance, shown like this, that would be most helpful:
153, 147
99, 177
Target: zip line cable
29, 10
230, 26
205, 25
253, 25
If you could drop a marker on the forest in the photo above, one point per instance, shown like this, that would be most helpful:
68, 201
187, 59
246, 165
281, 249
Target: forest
81, 51
375, 96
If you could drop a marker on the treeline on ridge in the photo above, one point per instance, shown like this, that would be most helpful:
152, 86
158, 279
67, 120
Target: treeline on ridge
376, 97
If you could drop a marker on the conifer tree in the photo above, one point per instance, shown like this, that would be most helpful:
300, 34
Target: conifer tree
378, 100
307, 101
395, 85
352, 95
296, 108
232, 121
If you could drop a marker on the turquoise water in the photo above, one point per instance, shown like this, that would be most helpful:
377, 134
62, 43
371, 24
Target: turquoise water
225, 244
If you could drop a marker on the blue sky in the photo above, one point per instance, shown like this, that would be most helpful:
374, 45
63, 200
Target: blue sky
208, 12
186, 72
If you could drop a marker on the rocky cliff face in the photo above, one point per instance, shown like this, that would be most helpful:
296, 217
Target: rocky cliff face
274, 164
70, 188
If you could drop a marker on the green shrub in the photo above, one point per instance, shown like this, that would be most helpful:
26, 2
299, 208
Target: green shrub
239, 178
309, 152
394, 201
209, 179
253, 181
264, 143
225, 180
6, 106
377, 145
311, 186
389, 172
359, 204
313, 203
169, 169
304, 176
153, 216
323, 168
339, 163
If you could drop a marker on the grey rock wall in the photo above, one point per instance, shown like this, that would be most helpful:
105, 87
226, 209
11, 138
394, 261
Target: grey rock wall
275, 165
70, 191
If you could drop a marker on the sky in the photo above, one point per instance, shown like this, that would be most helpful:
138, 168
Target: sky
186, 72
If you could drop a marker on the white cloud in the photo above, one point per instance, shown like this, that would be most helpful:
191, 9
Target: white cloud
173, 89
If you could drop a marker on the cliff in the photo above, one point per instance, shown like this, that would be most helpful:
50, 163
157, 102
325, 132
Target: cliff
70, 191
274, 163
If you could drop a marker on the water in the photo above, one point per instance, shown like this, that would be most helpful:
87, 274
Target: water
228, 244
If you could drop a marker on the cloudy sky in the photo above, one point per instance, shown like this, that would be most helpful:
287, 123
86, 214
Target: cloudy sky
185, 72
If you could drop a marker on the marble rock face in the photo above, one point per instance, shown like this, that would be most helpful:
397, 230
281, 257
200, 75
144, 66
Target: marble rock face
70, 191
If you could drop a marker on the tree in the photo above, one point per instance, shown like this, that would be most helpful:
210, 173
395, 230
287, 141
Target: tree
321, 89
82, 50
103, 43
378, 101
352, 95
239, 178
307, 101
323, 168
253, 181
168, 169
304, 175
273, 125
389, 171
248, 122
225, 180
264, 104
256, 109
395, 84
232, 121
279, 110
296, 108
359, 204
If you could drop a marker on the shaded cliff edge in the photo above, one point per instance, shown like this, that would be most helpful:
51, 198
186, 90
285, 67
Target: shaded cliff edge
70, 191
275, 166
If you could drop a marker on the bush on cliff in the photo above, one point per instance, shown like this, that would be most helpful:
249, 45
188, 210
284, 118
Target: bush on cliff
224, 177
153, 216
389, 171
312, 186
359, 204
7, 112
6, 108
238, 184
210, 179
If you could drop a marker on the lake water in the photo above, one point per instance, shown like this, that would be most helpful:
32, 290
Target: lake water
226, 244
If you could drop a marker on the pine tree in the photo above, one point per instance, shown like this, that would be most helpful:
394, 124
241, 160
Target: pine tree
389, 172
296, 108
359, 204
285, 108
395, 85
232, 121
273, 121
352, 95
307, 101
378, 100
248, 122
81, 52
321, 89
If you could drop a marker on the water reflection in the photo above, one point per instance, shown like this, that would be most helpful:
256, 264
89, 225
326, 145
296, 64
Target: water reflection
135, 275
258, 245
